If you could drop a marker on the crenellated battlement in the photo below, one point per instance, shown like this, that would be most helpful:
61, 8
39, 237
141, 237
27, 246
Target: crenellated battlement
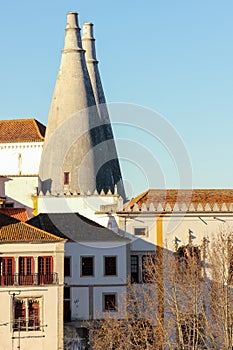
181, 207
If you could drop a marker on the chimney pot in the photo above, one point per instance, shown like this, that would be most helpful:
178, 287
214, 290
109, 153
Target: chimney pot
72, 20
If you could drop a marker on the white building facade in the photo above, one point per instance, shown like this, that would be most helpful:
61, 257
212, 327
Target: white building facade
21, 143
31, 288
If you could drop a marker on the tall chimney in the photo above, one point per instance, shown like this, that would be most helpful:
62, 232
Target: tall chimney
73, 91
112, 168
77, 155
67, 161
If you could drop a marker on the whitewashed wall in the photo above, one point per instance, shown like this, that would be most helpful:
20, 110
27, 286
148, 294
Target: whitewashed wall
82, 299
19, 190
177, 225
20, 158
50, 336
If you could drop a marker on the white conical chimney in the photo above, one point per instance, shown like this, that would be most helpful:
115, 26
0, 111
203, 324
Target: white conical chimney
77, 155
68, 143
88, 43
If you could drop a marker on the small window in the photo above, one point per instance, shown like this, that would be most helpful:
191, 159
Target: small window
87, 266
67, 266
110, 267
66, 178
134, 269
8, 205
141, 231
109, 302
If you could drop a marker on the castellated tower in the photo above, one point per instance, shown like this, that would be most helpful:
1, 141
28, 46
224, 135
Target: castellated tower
79, 152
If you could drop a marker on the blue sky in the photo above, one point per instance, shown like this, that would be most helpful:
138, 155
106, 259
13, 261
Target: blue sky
174, 57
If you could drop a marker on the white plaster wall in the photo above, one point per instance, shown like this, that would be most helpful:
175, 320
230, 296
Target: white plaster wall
80, 291
140, 243
51, 296
19, 190
85, 205
179, 227
47, 337
98, 251
98, 301
30, 158
80, 303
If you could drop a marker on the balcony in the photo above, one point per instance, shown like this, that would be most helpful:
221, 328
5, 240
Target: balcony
28, 280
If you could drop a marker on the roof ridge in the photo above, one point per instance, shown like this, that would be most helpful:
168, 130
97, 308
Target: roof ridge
38, 129
43, 231
138, 198
35, 229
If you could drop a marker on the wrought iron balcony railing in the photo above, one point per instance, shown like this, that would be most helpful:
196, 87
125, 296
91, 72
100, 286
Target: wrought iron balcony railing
28, 280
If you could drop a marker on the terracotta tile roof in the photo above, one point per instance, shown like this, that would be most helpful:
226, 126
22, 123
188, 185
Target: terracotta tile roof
21, 130
194, 196
17, 213
23, 232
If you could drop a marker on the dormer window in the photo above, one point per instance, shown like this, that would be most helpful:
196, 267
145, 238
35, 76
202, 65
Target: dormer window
66, 178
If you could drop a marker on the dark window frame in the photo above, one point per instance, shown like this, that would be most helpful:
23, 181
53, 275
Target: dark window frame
67, 304
110, 305
141, 231
134, 268
110, 270
83, 267
67, 266
66, 178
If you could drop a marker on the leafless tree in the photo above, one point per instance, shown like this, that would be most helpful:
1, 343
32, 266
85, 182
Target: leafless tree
186, 302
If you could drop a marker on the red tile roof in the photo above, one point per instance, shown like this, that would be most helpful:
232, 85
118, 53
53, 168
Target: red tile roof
21, 130
194, 196
22, 232
17, 213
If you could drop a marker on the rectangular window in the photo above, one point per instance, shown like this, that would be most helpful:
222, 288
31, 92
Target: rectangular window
67, 308
67, 261
26, 270
141, 231
26, 314
134, 269
110, 265
87, 266
45, 269
8, 205
66, 178
109, 302
7, 271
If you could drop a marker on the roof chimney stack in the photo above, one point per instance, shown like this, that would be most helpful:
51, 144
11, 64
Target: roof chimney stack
72, 38
79, 153
112, 168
